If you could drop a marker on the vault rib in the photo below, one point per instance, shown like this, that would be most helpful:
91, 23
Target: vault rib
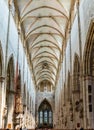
28, 35
48, 7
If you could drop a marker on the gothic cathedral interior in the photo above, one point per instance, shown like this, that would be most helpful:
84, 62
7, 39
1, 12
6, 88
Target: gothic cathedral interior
47, 64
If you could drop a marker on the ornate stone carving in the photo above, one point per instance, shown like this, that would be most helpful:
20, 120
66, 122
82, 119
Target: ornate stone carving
79, 107
71, 112
19, 106
5, 112
2, 79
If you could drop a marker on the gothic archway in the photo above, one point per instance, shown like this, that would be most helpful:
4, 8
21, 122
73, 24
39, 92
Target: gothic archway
10, 93
68, 88
45, 115
76, 77
28, 100
89, 76
18, 113
24, 99
24, 95
76, 90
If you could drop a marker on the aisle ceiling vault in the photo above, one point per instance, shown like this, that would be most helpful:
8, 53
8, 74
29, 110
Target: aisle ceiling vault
44, 23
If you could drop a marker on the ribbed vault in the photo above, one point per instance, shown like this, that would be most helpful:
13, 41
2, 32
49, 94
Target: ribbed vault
44, 23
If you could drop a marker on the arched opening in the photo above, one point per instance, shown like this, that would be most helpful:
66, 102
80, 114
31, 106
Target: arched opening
30, 104
45, 115
68, 88
89, 54
76, 77
76, 91
18, 102
24, 99
28, 100
64, 93
10, 93
24, 95
89, 76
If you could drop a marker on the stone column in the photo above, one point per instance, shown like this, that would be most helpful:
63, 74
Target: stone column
1, 101
88, 116
11, 107
24, 117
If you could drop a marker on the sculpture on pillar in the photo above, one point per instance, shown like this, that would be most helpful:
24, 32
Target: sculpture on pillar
71, 112
79, 107
5, 112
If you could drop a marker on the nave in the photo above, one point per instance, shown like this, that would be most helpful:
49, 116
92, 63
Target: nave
46, 64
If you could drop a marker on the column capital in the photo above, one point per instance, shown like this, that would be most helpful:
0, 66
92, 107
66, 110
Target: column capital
78, 1
88, 77
12, 91
10, 4
2, 78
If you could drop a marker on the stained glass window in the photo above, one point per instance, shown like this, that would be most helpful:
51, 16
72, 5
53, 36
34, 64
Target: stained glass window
50, 117
45, 114
41, 117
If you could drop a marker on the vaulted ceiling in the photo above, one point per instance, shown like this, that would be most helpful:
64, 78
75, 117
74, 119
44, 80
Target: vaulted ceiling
44, 23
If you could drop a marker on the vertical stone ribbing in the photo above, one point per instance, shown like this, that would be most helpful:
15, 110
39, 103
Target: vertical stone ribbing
70, 60
79, 31
16, 75
23, 70
80, 47
6, 59
65, 82
71, 75
7, 47
81, 65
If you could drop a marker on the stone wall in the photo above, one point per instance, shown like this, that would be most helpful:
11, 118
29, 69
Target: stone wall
9, 35
49, 96
86, 13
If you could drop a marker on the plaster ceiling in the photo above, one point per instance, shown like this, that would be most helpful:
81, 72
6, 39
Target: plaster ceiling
44, 23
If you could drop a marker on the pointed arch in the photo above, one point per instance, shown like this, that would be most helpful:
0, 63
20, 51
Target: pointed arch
88, 59
24, 95
76, 63
89, 51
10, 90
10, 73
76, 73
45, 115
68, 87
46, 102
